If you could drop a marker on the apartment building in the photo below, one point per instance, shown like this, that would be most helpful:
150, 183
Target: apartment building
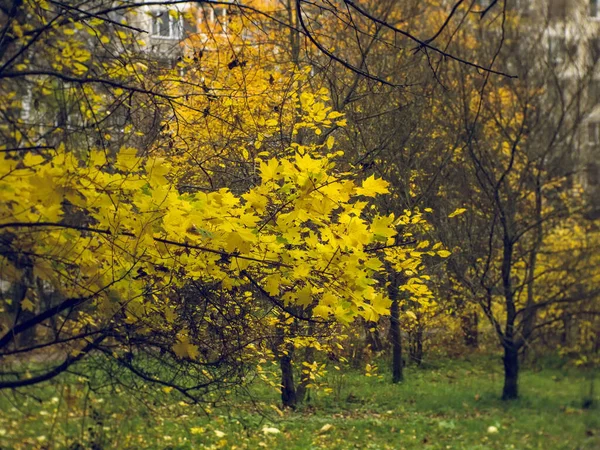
164, 32
574, 48
570, 30
569, 35
170, 27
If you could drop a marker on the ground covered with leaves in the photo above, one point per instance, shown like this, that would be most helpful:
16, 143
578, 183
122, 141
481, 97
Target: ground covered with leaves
449, 405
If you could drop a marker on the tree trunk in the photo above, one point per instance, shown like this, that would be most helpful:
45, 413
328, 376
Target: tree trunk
285, 352
294, 33
418, 356
395, 336
530, 313
511, 372
303, 393
511, 349
288, 390
372, 336
565, 340
470, 325
415, 345
20, 289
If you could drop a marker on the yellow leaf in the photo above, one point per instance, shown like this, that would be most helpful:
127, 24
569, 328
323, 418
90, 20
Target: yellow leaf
458, 212
269, 170
322, 311
79, 68
32, 160
423, 244
302, 270
249, 220
235, 241
304, 296
330, 142
373, 186
127, 159
277, 410
169, 315
373, 263
157, 169
27, 305
381, 305
381, 226
325, 428
184, 349
444, 253
272, 284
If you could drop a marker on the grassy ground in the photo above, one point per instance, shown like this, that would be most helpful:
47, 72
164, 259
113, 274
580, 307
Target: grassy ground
451, 406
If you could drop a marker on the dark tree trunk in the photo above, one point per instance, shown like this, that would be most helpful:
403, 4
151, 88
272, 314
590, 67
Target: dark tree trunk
303, 393
511, 372
288, 390
395, 336
470, 328
511, 349
566, 330
19, 293
416, 348
372, 336
285, 352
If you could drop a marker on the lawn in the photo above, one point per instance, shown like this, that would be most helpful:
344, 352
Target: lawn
453, 405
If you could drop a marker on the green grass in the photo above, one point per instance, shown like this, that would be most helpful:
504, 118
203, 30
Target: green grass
450, 406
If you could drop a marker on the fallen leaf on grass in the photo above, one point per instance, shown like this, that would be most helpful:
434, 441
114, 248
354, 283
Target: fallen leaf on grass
277, 410
325, 428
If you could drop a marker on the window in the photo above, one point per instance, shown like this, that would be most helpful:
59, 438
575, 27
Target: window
220, 14
190, 26
593, 174
220, 17
557, 47
167, 24
595, 9
593, 133
557, 9
215, 19
594, 48
26, 104
594, 91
